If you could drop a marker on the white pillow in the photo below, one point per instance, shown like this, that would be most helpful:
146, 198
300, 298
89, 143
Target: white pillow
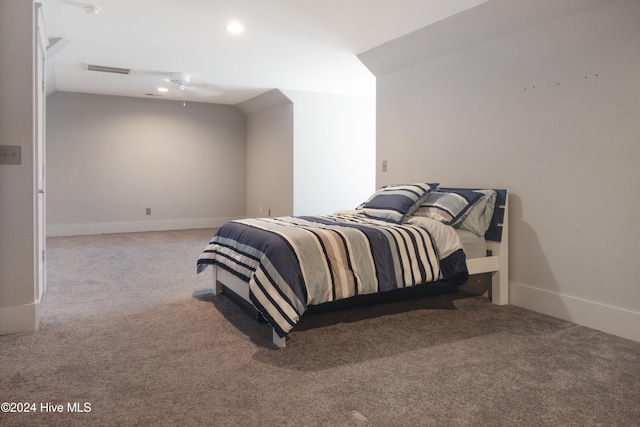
479, 216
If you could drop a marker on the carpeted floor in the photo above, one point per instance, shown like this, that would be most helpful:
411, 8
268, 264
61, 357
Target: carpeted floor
130, 330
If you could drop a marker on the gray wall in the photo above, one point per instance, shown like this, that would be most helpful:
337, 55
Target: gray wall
18, 299
109, 158
269, 154
552, 114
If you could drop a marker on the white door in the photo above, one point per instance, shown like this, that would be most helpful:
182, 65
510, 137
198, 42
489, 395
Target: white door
41, 49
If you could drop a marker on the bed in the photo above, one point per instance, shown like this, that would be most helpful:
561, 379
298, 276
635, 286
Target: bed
403, 236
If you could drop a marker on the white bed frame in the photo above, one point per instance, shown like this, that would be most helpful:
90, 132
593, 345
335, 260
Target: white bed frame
496, 263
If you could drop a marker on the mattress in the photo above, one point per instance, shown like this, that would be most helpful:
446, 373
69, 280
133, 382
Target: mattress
474, 246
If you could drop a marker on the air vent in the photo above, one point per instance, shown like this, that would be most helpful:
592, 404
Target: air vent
104, 69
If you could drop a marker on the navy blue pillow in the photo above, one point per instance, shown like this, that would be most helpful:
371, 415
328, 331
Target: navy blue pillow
395, 202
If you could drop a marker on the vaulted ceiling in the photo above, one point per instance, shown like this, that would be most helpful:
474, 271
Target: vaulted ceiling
308, 45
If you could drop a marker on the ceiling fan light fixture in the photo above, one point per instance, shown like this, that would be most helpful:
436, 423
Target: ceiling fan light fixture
180, 79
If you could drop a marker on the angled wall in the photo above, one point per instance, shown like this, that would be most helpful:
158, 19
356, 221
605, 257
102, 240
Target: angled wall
549, 112
334, 151
269, 154
308, 153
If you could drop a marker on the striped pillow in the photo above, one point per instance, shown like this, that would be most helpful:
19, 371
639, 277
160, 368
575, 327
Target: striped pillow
448, 207
395, 202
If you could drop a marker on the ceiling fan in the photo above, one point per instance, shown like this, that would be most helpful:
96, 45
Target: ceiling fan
182, 81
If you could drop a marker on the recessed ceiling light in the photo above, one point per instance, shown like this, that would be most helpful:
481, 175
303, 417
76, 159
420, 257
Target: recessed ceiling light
235, 27
163, 89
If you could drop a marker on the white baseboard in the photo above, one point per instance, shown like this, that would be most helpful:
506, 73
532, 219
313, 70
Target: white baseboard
134, 226
21, 318
613, 320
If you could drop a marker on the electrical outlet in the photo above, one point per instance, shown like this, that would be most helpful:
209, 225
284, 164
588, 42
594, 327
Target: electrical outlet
148, 211
10, 154
384, 166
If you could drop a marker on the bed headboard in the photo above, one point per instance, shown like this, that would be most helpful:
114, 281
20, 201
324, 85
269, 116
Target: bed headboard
494, 233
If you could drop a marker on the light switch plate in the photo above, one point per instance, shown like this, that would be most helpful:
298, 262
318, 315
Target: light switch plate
10, 155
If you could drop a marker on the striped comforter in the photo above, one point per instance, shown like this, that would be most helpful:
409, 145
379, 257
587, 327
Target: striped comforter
293, 262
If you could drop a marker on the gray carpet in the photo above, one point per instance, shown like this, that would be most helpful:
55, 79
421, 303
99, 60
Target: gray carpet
129, 328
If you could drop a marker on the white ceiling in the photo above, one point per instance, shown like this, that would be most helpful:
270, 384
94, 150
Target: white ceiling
308, 45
